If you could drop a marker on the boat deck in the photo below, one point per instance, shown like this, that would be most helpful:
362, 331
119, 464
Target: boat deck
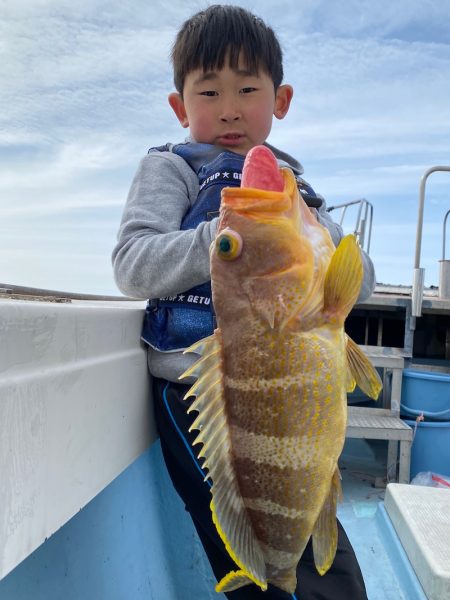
386, 569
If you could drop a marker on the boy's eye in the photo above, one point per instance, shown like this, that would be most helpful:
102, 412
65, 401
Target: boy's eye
247, 90
208, 93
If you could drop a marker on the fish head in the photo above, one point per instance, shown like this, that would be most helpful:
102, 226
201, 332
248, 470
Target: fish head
263, 258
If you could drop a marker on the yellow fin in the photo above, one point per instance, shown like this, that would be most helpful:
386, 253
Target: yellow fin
325, 534
343, 279
362, 370
232, 581
209, 349
242, 538
229, 513
351, 383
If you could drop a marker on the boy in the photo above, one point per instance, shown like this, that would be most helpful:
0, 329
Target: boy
228, 75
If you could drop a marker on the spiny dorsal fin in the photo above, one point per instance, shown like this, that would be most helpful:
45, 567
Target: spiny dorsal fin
343, 279
362, 370
228, 510
325, 534
232, 581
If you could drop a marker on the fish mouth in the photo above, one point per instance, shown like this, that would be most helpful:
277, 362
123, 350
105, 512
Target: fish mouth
266, 193
254, 200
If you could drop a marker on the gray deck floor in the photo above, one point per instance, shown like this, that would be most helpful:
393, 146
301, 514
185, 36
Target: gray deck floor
386, 569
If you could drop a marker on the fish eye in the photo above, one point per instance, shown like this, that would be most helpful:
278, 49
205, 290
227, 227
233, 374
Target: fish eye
228, 244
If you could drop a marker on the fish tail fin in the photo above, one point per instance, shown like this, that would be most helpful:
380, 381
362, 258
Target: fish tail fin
343, 279
234, 580
362, 371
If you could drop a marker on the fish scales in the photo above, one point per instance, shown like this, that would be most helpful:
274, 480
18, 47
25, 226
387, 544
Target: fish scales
277, 434
272, 383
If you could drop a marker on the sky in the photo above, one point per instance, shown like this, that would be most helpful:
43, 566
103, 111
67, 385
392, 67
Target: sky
83, 95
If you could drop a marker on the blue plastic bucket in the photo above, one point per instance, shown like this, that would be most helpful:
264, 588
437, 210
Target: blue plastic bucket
426, 392
431, 447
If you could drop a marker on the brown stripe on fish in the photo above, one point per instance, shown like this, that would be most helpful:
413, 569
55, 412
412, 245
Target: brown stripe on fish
281, 536
286, 487
280, 414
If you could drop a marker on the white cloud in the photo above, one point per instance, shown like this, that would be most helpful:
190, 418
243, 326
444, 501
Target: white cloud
84, 88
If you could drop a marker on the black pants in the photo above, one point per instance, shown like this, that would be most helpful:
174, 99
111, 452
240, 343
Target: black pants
342, 582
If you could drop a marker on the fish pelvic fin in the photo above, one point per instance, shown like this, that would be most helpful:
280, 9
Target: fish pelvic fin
343, 280
325, 533
234, 580
229, 513
362, 371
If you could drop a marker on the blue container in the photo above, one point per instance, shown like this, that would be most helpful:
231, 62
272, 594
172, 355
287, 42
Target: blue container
431, 447
426, 392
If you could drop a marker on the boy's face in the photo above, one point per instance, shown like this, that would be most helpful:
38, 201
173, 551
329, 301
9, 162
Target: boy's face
231, 108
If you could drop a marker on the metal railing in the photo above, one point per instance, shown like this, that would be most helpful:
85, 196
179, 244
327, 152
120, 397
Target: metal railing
419, 272
8, 290
364, 219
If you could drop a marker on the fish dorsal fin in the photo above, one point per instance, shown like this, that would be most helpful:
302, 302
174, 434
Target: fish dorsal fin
325, 534
228, 510
362, 370
233, 581
343, 279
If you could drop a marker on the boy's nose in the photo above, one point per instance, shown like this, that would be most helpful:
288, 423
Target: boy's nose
230, 112
228, 117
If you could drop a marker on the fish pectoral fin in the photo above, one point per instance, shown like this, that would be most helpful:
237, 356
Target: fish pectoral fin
350, 382
233, 581
343, 279
271, 297
229, 513
325, 533
362, 370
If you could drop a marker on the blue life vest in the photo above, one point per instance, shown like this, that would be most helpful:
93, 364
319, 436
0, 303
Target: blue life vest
176, 322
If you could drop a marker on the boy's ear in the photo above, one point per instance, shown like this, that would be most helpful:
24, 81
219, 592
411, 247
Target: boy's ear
283, 99
177, 104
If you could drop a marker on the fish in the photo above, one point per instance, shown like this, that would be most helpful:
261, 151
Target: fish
271, 382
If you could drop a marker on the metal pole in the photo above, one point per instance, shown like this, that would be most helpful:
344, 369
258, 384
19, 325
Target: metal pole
370, 228
419, 273
443, 234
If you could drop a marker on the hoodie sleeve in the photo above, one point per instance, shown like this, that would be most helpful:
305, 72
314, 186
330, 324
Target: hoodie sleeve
153, 257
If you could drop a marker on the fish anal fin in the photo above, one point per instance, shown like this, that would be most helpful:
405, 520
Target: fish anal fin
232, 581
325, 533
362, 370
343, 279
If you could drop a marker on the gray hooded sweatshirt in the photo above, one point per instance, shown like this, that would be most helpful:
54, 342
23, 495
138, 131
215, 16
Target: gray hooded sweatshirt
153, 258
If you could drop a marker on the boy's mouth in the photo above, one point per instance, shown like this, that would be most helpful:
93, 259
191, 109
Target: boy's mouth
230, 139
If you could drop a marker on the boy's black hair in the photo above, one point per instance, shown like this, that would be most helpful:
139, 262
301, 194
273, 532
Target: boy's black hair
224, 32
